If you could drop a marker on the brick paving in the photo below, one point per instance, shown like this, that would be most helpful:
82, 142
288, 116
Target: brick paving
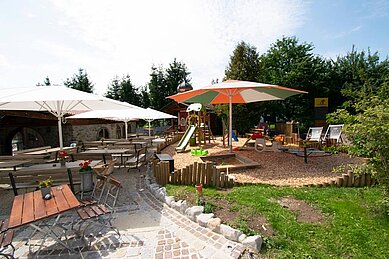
148, 228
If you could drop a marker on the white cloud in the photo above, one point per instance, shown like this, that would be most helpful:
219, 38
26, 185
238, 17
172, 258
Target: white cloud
110, 38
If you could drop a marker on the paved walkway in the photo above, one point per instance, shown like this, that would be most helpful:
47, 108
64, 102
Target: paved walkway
149, 229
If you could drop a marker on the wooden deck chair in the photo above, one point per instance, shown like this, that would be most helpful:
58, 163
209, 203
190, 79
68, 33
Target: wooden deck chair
334, 133
105, 169
314, 134
6, 235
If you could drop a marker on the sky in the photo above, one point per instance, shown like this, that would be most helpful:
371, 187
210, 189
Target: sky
54, 38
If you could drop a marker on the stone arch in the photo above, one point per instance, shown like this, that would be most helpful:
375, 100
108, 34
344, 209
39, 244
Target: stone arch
25, 138
102, 132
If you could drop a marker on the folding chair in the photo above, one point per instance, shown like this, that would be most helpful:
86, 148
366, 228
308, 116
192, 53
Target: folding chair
102, 213
106, 169
314, 134
6, 236
138, 160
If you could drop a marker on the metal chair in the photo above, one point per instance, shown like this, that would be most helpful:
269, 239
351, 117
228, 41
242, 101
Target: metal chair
6, 236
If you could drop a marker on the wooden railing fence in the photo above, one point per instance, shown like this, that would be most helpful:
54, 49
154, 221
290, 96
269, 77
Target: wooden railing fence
205, 173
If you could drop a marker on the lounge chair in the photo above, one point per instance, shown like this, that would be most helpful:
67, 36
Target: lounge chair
334, 133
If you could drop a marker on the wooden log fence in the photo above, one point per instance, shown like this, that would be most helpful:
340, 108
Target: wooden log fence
349, 179
205, 173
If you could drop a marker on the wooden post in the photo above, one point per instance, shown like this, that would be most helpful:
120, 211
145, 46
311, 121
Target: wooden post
357, 180
350, 178
222, 179
368, 179
363, 180
203, 172
208, 167
332, 182
339, 181
217, 178
345, 180
195, 173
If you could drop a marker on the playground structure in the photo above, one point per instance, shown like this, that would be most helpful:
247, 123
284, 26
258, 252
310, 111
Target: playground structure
198, 131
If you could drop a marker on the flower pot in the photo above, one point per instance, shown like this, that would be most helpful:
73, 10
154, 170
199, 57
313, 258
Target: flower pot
46, 193
86, 181
199, 189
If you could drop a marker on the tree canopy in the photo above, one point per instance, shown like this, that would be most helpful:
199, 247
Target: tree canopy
80, 82
123, 90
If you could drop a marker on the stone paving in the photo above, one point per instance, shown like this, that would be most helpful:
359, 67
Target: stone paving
148, 228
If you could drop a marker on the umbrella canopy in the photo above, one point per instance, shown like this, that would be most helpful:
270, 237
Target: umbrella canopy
235, 91
58, 100
125, 115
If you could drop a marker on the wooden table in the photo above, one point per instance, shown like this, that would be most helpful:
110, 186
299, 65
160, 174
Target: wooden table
30, 208
107, 151
48, 150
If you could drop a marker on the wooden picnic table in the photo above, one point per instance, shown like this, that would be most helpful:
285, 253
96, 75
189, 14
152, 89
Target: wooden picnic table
48, 151
30, 208
107, 151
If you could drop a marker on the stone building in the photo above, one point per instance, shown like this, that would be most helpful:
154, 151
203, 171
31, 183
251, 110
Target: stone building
27, 129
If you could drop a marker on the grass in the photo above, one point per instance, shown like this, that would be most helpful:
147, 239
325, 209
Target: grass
355, 221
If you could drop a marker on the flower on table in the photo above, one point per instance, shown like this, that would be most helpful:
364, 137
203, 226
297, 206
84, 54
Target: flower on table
62, 155
85, 166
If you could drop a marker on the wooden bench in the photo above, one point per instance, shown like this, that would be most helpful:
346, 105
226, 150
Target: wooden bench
30, 179
138, 159
6, 236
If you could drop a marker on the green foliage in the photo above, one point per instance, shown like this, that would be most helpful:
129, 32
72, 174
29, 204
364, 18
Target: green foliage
144, 97
46, 183
244, 63
80, 82
46, 82
352, 226
164, 83
123, 90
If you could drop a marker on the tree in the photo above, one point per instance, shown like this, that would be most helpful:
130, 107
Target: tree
292, 64
123, 90
368, 132
355, 75
80, 82
45, 82
244, 63
144, 96
113, 90
165, 82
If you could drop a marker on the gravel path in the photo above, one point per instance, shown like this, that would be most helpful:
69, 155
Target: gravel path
276, 168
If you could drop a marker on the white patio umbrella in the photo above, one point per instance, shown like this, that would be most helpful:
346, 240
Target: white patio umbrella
156, 115
125, 115
58, 100
235, 91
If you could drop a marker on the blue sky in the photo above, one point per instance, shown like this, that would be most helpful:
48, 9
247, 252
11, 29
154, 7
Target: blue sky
54, 38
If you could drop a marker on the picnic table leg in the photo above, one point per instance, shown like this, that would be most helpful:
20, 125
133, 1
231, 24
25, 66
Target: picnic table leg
51, 233
305, 155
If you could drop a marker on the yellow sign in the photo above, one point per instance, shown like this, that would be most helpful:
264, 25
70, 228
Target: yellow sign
321, 102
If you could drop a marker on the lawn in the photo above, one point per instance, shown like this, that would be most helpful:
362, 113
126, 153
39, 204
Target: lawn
353, 222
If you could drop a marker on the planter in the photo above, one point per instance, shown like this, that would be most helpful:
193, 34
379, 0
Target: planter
63, 162
86, 181
46, 193
199, 189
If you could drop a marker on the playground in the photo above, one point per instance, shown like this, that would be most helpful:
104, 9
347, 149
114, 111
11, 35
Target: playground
275, 168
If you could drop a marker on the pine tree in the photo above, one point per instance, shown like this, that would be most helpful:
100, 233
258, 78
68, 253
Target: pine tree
80, 82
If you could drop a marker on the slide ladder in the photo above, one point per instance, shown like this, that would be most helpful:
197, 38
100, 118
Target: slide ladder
185, 139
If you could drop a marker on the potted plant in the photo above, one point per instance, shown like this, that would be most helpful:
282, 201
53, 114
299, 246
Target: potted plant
62, 156
45, 187
86, 176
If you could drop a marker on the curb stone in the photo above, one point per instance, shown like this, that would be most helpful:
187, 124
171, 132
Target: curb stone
214, 224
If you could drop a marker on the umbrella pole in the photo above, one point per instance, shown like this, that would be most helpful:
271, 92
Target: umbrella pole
230, 126
149, 128
126, 128
60, 132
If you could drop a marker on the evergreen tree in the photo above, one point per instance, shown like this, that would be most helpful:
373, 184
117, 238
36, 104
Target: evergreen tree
244, 63
157, 87
113, 90
46, 82
145, 99
80, 82
123, 90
